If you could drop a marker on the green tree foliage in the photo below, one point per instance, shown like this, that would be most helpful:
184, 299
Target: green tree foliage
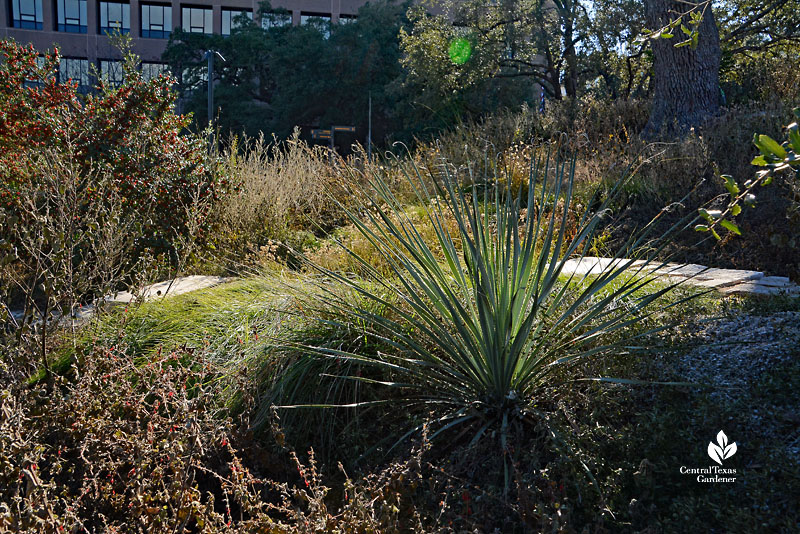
511, 40
312, 75
614, 62
760, 38
454, 69
316, 75
774, 158
588, 47
758, 25
568, 47
508, 53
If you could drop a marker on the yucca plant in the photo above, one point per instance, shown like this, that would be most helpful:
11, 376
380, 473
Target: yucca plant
476, 322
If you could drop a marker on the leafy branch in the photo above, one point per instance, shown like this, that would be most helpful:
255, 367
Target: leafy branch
691, 27
774, 158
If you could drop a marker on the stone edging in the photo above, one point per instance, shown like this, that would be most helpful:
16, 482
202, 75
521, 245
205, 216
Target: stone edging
726, 281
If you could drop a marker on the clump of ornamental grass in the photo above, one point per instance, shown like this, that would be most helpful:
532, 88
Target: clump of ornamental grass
478, 317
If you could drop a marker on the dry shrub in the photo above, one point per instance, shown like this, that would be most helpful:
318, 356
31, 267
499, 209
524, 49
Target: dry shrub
606, 138
667, 171
139, 448
382, 503
730, 136
127, 448
72, 238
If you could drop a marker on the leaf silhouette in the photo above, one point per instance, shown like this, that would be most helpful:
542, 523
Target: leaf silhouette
730, 450
722, 439
715, 452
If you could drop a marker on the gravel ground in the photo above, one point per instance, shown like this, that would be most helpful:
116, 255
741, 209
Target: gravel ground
741, 349
738, 354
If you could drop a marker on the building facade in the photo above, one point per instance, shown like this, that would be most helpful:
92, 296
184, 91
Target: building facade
81, 28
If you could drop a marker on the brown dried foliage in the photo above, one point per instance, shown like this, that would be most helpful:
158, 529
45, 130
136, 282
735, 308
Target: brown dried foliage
148, 448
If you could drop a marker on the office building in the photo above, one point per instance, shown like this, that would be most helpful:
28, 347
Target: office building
81, 27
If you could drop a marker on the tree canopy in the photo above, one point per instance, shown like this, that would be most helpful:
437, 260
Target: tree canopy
424, 69
277, 78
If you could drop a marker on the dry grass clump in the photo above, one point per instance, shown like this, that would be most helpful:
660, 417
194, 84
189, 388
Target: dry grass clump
606, 138
285, 192
475, 141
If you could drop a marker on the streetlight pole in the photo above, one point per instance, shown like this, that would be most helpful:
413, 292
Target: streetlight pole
209, 55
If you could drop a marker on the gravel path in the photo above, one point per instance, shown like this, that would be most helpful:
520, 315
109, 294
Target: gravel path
741, 349
736, 355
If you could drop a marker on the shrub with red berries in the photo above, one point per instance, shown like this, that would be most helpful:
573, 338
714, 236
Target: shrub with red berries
130, 133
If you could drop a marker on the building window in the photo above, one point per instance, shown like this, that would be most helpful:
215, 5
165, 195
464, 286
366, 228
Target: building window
71, 16
276, 19
115, 18
229, 19
320, 21
197, 20
112, 72
153, 70
156, 21
347, 19
76, 70
26, 14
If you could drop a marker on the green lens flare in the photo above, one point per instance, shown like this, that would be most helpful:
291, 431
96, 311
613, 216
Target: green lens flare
460, 51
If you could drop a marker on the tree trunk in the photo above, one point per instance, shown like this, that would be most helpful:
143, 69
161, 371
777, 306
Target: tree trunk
552, 76
686, 79
568, 15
